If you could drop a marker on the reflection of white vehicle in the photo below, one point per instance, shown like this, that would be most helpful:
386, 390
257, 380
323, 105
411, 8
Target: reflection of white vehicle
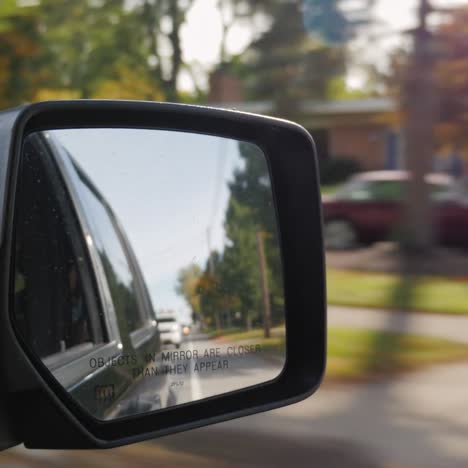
170, 331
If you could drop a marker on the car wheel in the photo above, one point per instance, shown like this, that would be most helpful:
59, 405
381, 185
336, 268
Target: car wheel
339, 235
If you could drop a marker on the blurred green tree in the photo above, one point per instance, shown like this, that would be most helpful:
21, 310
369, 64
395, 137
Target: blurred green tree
302, 51
286, 65
231, 281
240, 273
19, 52
89, 45
251, 188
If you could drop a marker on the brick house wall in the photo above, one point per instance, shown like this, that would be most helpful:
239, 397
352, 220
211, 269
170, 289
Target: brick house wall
224, 88
365, 130
366, 144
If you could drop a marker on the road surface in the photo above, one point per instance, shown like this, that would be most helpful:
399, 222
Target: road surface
210, 367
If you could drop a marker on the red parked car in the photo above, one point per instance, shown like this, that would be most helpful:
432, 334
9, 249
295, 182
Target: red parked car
369, 208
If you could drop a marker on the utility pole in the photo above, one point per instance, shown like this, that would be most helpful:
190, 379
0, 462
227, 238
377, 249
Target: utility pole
264, 281
420, 108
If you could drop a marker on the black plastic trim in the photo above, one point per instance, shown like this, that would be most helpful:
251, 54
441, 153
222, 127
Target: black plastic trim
292, 161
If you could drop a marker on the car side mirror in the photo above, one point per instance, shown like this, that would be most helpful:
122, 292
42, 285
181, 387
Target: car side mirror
162, 269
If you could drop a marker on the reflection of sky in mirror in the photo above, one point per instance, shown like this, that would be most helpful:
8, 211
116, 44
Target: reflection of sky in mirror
167, 189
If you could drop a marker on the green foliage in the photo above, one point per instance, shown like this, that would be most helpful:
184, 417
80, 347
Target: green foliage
90, 49
241, 268
19, 51
91, 44
287, 65
187, 287
251, 190
58, 49
231, 282
358, 354
302, 54
250, 210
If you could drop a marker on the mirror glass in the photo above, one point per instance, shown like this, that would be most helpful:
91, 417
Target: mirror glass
147, 269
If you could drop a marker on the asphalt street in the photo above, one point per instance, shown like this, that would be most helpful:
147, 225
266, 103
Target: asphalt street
214, 367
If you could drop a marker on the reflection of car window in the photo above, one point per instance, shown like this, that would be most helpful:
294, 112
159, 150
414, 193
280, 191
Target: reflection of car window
379, 190
113, 256
440, 192
388, 190
355, 190
54, 304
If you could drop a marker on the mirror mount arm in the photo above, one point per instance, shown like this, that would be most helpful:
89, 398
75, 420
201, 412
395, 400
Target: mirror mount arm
8, 120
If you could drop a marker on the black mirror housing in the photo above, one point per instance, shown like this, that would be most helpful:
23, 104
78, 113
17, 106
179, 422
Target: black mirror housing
40, 413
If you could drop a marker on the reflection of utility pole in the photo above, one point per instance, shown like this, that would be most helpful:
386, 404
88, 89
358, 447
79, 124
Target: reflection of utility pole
210, 256
264, 280
211, 272
419, 105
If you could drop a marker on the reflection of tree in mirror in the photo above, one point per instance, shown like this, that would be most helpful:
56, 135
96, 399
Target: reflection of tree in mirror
229, 290
252, 189
218, 298
187, 281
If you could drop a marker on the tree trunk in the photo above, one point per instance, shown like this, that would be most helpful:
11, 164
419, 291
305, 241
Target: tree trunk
419, 105
177, 17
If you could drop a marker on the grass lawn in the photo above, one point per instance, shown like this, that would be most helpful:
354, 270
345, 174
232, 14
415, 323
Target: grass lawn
355, 354
272, 345
389, 291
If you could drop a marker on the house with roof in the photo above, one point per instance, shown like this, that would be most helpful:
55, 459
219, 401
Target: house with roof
365, 130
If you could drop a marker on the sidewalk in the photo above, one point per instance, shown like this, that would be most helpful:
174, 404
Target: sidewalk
451, 327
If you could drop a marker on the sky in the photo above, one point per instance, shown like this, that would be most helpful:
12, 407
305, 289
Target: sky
202, 33
166, 189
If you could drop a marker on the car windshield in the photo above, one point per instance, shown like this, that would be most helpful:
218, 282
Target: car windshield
382, 87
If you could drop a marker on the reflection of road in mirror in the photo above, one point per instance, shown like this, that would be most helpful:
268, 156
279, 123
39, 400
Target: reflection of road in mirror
204, 367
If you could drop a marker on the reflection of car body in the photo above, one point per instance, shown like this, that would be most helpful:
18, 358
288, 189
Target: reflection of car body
170, 331
369, 208
99, 323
